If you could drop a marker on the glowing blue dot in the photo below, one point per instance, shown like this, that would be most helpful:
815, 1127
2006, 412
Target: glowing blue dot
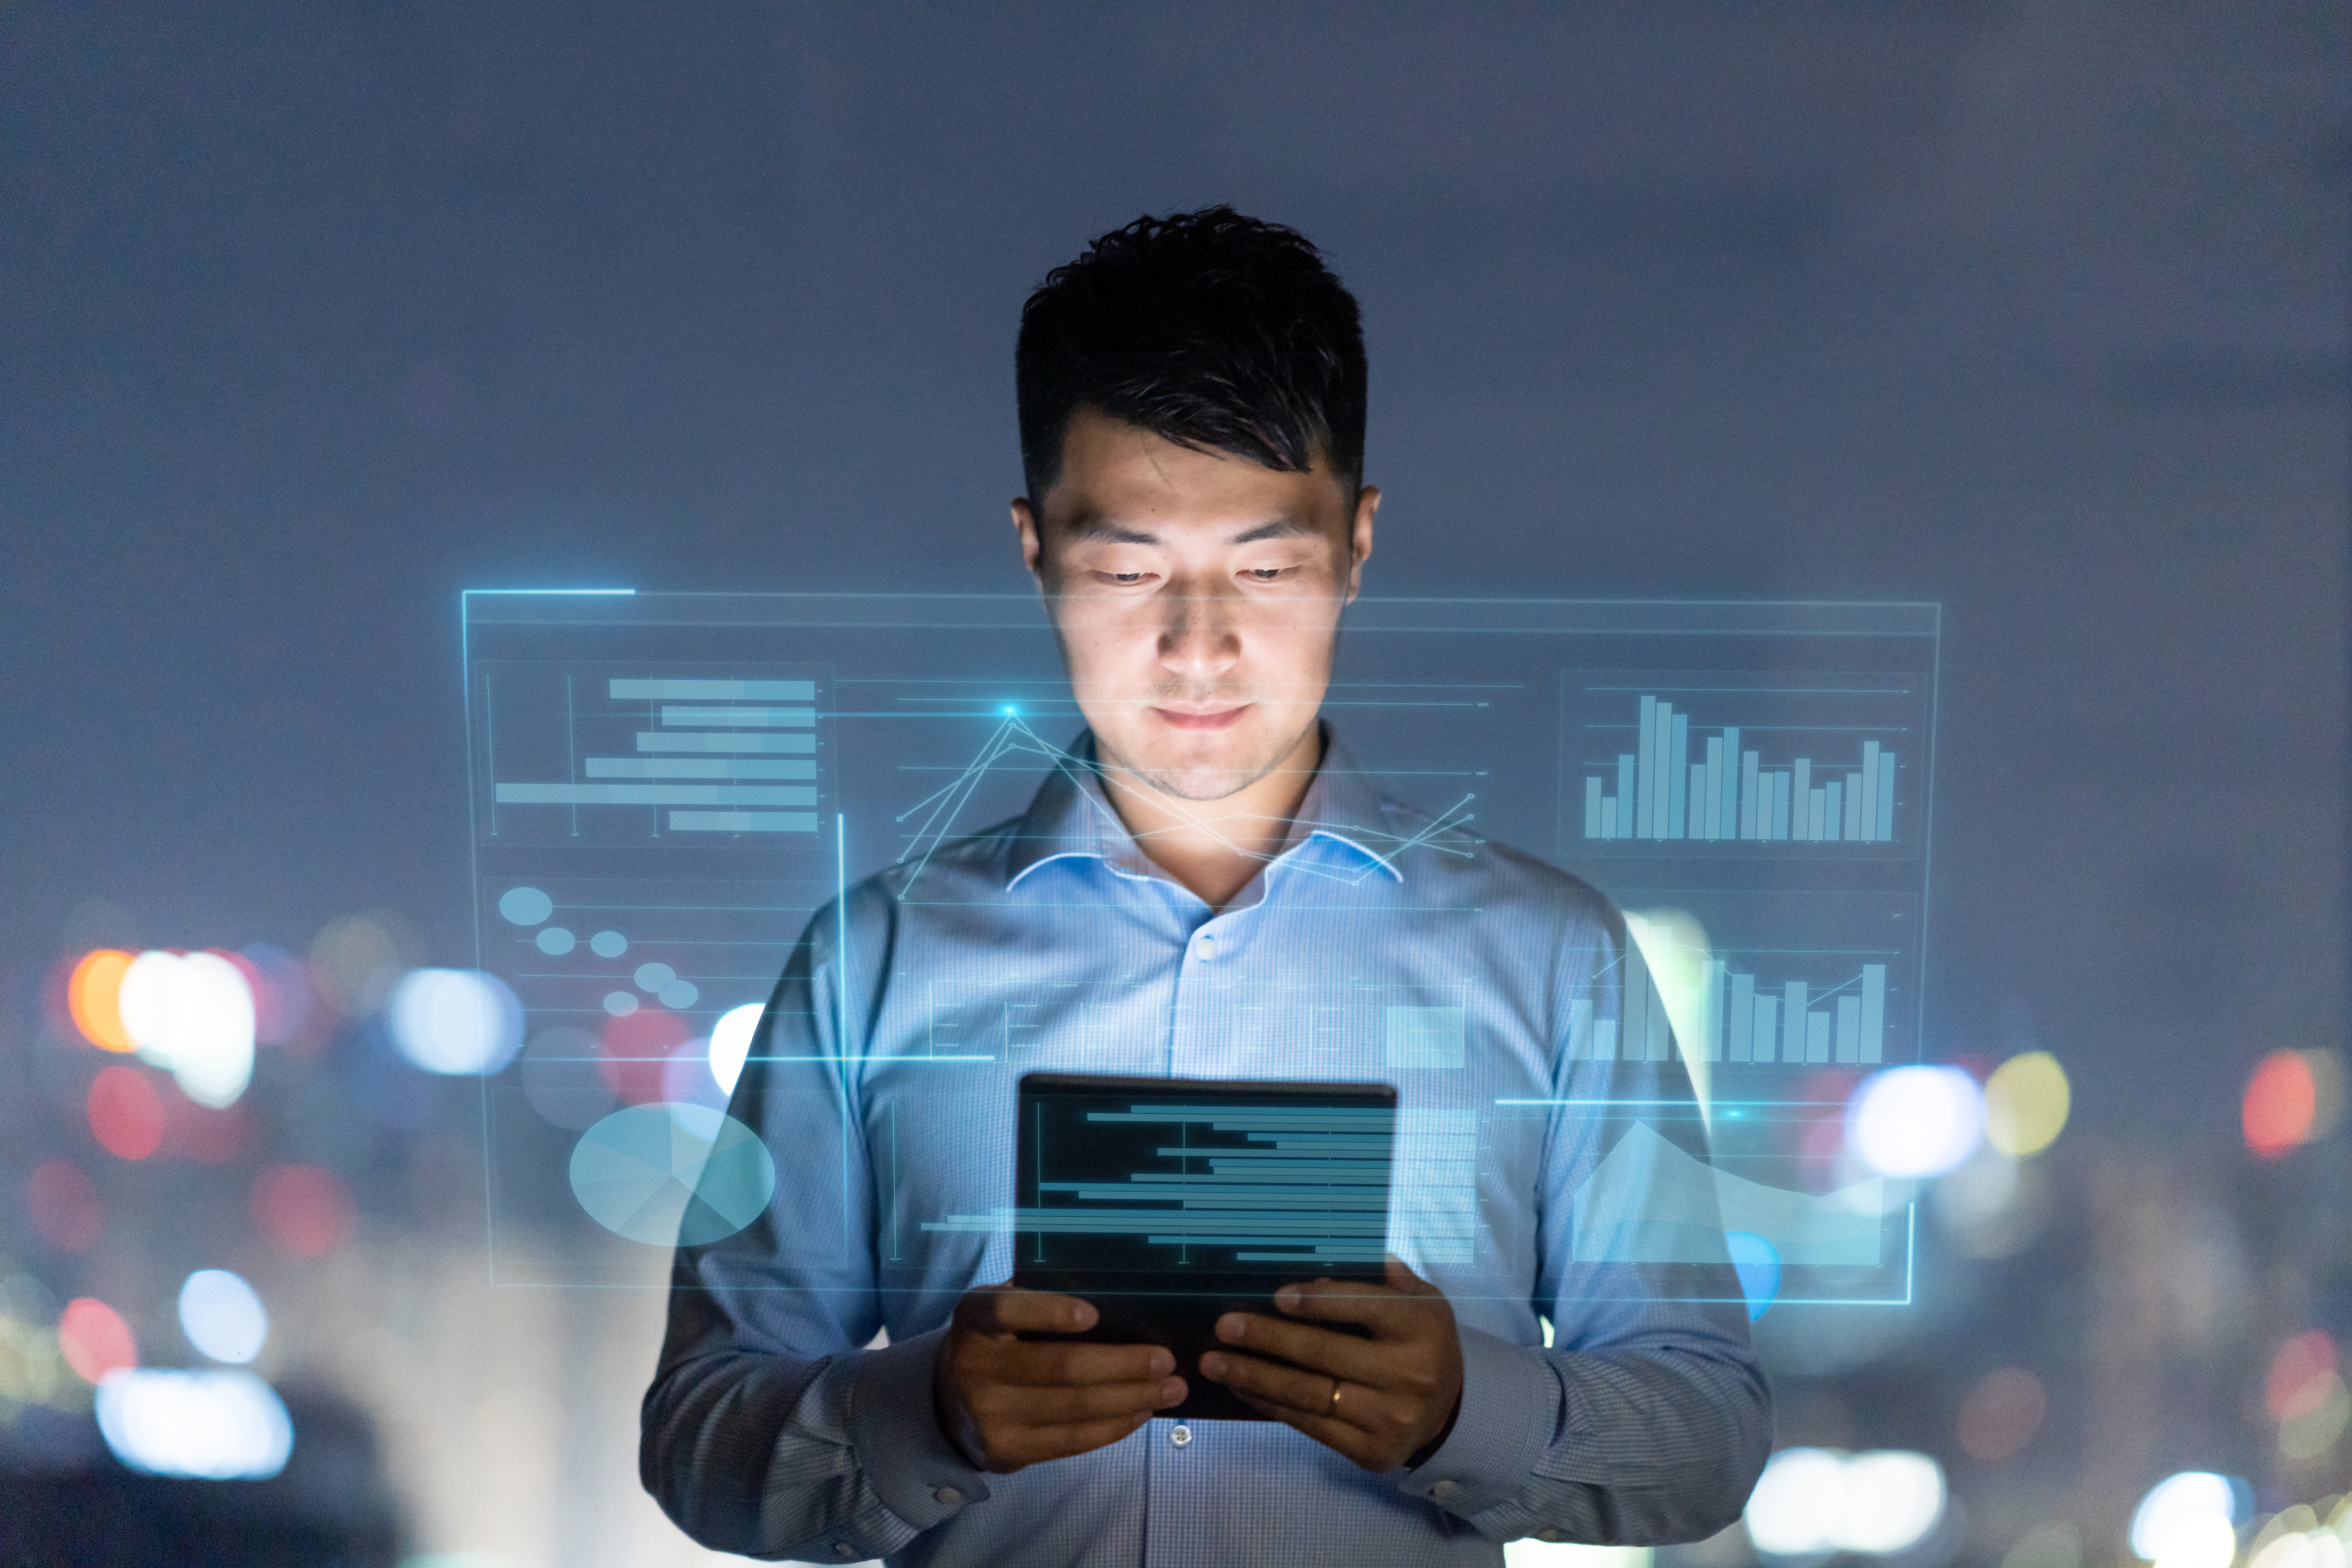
608, 944
1011, 712
555, 942
221, 1316
525, 906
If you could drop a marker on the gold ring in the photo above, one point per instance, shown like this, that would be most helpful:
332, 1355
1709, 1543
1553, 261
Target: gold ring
1335, 1399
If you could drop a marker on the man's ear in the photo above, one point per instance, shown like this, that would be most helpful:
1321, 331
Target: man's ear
1033, 547
1359, 538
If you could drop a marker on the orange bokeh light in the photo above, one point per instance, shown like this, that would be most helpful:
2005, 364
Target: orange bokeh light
2281, 1102
93, 996
94, 1339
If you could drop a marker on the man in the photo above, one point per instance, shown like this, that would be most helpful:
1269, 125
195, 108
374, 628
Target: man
1192, 400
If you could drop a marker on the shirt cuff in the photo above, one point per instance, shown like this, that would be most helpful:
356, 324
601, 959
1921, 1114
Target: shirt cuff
894, 1428
1510, 1402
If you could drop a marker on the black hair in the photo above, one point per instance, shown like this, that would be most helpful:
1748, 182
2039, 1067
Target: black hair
1208, 328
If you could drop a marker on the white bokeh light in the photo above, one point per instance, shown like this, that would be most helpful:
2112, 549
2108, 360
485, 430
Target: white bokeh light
221, 1316
1813, 1500
2185, 1521
193, 1015
730, 1043
455, 1021
1915, 1121
214, 1426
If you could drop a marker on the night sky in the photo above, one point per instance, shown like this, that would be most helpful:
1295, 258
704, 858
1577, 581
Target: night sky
312, 315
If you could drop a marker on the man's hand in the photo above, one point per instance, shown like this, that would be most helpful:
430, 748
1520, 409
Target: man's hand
1010, 1404
1396, 1391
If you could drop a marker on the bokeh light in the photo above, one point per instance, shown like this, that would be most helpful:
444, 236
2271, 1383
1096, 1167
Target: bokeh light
1815, 1500
730, 1044
94, 996
2055, 1544
2299, 1375
193, 1015
2002, 1414
304, 1210
686, 1078
563, 1076
211, 1425
637, 1048
1758, 1263
221, 1316
2186, 1521
64, 1205
455, 1021
356, 959
2281, 1102
282, 1003
2026, 1104
126, 1114
1915, 1121
94, 1339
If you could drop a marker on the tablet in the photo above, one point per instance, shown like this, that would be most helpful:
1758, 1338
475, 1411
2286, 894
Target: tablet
1166, 1202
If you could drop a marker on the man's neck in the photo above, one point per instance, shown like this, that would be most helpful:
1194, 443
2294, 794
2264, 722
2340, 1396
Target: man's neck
1215, 846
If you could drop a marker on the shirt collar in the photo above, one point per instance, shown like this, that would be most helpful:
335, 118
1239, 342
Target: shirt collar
1070, 817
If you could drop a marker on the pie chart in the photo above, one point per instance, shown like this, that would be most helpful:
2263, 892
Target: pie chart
672, 1175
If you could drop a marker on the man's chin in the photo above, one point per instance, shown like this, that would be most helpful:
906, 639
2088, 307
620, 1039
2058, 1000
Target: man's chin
1196, 780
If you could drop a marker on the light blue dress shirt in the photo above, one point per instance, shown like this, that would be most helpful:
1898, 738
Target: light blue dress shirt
1377, 945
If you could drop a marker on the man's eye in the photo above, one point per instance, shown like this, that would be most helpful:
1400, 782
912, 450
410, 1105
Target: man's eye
1268, 574
1124, 579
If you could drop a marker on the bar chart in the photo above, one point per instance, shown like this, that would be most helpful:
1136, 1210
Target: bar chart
1804, 765
709, 755
1720, 1009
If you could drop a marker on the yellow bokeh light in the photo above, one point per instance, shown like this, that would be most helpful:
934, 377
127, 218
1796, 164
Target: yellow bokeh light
2026, 1103
93, 996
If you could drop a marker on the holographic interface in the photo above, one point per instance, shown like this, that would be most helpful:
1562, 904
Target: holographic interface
666, 787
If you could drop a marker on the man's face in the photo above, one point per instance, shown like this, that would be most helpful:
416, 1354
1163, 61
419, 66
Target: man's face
1197, 596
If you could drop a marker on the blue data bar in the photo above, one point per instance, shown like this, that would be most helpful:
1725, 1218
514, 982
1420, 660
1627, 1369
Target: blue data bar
743, 717
655, 794
742, 822
713, 691
689, 741
697, 768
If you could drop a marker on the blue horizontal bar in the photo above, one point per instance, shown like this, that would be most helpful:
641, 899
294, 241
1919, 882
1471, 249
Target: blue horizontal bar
655, 794
746, 822
714, 691
687, 741
697, 768
743, 717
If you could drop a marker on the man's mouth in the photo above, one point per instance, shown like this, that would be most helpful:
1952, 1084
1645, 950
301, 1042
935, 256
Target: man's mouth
1201, 717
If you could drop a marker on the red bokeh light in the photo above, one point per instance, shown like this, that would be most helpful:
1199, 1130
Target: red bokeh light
2002, 1413
304, 1210
126, 1114
2282, 1100
201, 1134
635, 1050
94, 1339
2301, 1376
64, 1205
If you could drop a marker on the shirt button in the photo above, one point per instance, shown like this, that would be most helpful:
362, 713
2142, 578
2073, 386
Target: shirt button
1205, 946
1548, 1533
1444, 1490
1180, 1435
948, 1497
843, 1549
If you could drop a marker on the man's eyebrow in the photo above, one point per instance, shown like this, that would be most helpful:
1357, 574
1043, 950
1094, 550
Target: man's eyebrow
1280, 527
1108, 530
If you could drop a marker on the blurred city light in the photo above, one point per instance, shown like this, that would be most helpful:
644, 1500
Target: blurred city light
221, 1316
2187, 1521
2056, 1544
2002, 1414
93, 996
2026, 1103
304, 1210
281, 992
192, 1013
730, 1044
455, 1021
356, 959
126, 1114
94, 1339
1815, 1500
1915, 1121
211, 1425
2281, 1104
2299, 1374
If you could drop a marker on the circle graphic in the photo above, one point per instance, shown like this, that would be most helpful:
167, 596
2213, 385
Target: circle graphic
608, 944
620, 1003
525, 906
653, 976
663, 1175
681, 994
555, 942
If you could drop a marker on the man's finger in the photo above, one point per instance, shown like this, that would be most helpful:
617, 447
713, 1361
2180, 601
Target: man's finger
1009, 1405
1304, 1393
1004, 1310
1070, 1365
1021, 1445
1388, 1312
1320, 1350
1360, 1447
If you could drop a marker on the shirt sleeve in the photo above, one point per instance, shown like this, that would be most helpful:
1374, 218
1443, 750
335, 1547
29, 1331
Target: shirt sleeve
769, 1430
1648, 1420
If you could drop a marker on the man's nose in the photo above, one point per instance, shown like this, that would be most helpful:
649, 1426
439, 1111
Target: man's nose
1198, 641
